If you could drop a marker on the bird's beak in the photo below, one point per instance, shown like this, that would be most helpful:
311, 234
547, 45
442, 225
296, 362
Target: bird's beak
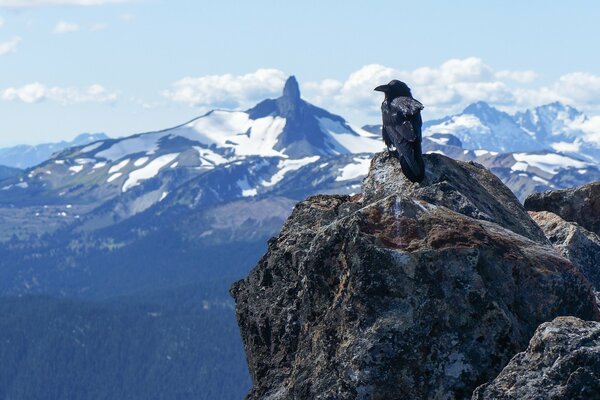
382, 88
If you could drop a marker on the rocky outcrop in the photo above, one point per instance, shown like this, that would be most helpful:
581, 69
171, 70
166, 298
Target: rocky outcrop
408, 291
580, 205
575, 243
561, 362
465, 187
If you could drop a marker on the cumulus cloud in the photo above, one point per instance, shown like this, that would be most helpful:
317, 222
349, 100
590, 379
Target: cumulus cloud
227, 90
40, 3
1, 22
9, 46
444, 89
451, 86
37, 92
65, 27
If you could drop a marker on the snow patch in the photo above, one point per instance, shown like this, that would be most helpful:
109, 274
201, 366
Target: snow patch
113, 177
149, 171
566, 147
141, 161
247, 190
146, 143
550, 162
288, 165
235, 129
83, 161
91, 147
360, 167
345, 141
118, 167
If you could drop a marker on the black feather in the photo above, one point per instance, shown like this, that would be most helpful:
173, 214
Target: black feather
401, 115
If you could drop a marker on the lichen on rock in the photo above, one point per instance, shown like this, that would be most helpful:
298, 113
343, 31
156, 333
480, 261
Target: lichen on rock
562, 361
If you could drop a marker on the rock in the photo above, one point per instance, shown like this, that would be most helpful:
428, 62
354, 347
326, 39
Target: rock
465, 187
580, 205
561, 362
404, 292
575, 243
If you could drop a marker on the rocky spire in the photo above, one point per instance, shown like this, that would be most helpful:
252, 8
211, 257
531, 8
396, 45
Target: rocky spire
291, 89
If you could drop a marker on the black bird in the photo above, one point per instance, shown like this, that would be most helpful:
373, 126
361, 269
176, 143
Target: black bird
401, 115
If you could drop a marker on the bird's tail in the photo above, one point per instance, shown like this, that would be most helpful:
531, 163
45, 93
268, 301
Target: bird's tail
411, 160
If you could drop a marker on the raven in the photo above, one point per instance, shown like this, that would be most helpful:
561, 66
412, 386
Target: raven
401, 115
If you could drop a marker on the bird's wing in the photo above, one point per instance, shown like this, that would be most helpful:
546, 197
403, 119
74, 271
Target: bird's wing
403, 109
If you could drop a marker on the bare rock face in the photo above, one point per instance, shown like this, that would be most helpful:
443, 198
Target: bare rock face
465, 187
575, 243
580, 205
561, 362
408, 291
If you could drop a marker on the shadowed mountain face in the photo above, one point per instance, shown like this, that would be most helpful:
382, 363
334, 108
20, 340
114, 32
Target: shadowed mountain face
8, 172
302, 135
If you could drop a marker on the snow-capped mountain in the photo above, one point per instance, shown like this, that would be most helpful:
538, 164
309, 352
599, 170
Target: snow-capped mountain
226, 155
552, 127
252, 152
560, 127
26, 156
481, 126
523, 172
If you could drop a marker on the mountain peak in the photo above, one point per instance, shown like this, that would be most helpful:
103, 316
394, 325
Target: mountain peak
291, 88
478, 107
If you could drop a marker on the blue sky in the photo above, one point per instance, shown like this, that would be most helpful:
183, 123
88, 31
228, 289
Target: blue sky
123, 67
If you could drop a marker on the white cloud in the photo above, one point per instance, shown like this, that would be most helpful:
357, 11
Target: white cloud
227, 90
65, 27
517, 76
450, 87
41, 3
1, 22
444, 89
581, 86
37, 92
9, 46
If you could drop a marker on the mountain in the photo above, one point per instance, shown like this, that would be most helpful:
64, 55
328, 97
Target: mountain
481, 126
8, 172
25, 156
555, 126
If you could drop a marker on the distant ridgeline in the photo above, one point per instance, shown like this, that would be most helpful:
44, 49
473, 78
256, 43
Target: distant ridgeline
135, 220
